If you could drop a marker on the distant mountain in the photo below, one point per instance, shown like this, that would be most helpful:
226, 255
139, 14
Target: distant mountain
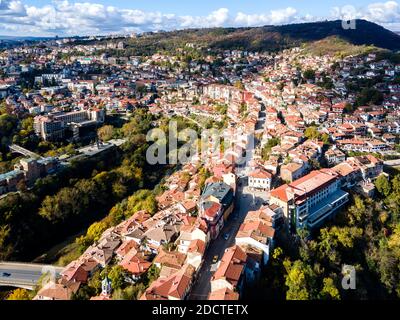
11, 41
267, 37
16, 38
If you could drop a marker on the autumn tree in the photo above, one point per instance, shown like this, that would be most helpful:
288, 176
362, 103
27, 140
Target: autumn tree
329, 290
296, 280
106, 132
142, 200
19, 294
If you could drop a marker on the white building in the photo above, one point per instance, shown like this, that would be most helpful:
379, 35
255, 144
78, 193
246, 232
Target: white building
260, 179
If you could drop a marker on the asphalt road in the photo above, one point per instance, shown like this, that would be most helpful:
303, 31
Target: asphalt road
243, 204
22, 274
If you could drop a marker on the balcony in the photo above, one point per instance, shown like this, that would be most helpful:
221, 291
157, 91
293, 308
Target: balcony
326, 207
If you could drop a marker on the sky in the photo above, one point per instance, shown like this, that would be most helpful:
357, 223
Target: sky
99, 17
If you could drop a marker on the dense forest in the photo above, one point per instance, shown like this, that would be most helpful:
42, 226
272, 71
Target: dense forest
62, 204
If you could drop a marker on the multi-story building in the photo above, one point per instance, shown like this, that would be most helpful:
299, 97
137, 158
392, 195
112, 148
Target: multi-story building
335, 156
53, 126
48, 128
310, 200
215, 206
28, 171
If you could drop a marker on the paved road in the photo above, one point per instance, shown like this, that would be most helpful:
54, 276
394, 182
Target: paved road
23, 275
392, 163
243, 204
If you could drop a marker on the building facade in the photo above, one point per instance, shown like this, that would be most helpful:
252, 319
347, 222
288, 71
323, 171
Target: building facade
310, 200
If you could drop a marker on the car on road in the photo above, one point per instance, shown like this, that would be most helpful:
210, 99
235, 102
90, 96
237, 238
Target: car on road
6, 274
226, 236
215, 259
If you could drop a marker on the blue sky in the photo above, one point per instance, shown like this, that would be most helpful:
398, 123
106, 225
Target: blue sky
203, 7
71, 17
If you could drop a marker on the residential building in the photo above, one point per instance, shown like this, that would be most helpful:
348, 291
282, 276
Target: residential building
215, 205
310, 200
260, 179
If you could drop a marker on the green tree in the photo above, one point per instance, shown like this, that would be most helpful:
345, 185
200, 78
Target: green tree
309, 74
239, 84
152, 274
142, 200
266, 150
312, 133
383, 186
356, 211
117, 275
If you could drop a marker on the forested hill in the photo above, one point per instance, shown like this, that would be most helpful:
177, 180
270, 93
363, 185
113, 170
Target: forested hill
365, 33
267, 37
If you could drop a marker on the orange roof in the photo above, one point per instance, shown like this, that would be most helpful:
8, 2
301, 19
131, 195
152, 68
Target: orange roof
197, 245
126, 247
170, 258
232, 265
176, 286
213, 210
223, 294
260, 174
304, 185
135, 263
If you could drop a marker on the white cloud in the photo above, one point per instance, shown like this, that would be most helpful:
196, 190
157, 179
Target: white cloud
274, 17
387, 12
384, 13
216, 18
68, 18
65, 17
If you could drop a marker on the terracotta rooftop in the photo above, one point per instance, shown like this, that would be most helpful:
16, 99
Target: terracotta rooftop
223, 294
304, 185
232, 265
